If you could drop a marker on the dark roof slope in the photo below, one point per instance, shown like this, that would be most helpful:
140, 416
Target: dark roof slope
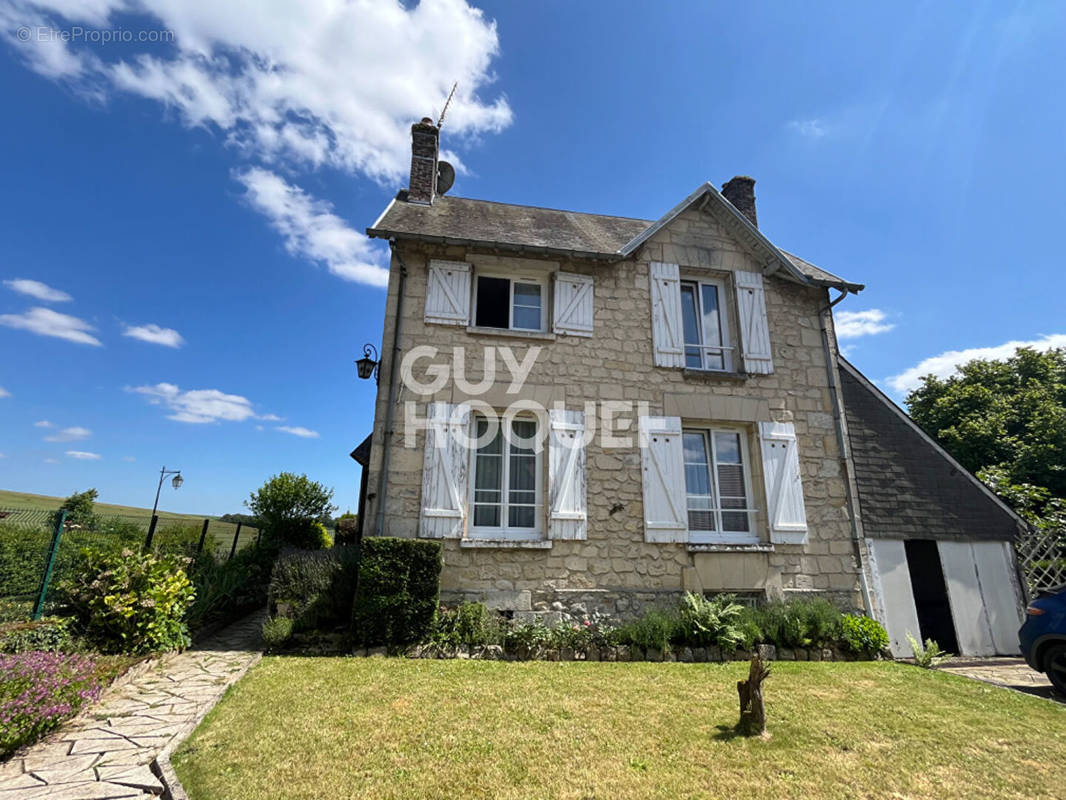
462, 220
909, 487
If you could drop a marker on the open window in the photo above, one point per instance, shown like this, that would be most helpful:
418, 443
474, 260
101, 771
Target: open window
509, 303
705, 326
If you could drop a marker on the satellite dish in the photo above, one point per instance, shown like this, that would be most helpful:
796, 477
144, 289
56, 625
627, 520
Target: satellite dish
445, 176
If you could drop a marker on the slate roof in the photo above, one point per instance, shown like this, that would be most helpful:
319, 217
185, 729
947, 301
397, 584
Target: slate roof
463, 220
909, 487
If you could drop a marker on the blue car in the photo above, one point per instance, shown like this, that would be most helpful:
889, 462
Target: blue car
1043, 636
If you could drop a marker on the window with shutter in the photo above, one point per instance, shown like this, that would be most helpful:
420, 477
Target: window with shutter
507, 484
574, 309
444, 472
666, 324
663, 473
784, 484
754, 328
717, 494
448, 293
567, 510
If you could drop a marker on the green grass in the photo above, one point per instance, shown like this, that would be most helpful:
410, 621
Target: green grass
222, 531
377, 728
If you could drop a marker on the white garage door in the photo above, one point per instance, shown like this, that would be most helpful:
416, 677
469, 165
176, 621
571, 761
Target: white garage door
986, 601
895, 597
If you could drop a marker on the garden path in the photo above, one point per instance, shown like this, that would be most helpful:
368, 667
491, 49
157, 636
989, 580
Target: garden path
110, 750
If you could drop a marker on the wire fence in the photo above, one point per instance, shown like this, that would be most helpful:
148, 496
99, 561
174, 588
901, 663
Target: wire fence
36, 553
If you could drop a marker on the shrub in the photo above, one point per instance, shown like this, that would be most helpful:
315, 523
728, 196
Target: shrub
39, 690
277, 631
178, 539
314, 588
714, 621
347, 525
288, 506
655, 628
862, 634
228, 589
397, 591
527, 639
130, 602
470, 624
79, 508
799, 623
51, 634
930, 655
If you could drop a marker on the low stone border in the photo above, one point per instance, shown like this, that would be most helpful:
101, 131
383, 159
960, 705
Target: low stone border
697, 655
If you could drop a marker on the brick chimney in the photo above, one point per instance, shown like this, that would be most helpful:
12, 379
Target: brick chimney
740, 191
425, 144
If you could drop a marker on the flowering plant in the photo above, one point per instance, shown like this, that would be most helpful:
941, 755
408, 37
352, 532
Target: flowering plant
39, 690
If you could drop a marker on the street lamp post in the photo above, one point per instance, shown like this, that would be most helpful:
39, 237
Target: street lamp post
176, 483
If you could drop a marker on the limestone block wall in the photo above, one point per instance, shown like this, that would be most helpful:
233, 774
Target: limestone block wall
615, 569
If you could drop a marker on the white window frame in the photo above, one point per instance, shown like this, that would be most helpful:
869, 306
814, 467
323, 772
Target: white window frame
512, 279
503, 531
727, 347
750, 536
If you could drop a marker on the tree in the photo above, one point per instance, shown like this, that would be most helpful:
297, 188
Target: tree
79, 508
1009, 414
289, 505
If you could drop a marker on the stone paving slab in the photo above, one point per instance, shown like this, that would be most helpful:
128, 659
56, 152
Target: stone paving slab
1012, 673
110, 749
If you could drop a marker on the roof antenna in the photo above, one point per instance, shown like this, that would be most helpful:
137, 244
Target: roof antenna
447, 102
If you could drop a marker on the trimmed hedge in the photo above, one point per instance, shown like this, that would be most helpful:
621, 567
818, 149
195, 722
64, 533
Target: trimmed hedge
397, 591
314, 588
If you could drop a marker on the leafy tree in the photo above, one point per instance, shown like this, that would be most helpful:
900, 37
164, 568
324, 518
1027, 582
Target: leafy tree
289, 505
79, 508
1009, 414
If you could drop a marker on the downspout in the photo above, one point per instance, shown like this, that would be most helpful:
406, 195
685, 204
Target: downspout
383, 478
842, 443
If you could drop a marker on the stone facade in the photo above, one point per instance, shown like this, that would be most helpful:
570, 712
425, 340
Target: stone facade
615, 569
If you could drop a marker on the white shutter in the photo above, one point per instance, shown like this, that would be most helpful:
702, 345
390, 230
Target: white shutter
663, 467
445, 472
754, 329
784, 486
666, 331
448, 293
573, 304
567, 509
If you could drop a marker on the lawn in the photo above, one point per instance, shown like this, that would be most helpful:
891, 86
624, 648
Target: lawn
377, 728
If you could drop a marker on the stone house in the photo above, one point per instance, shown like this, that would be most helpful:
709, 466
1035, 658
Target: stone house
596, 413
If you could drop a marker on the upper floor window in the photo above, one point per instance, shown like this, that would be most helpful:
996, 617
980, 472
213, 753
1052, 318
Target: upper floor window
706, 326
717, 486
513, 303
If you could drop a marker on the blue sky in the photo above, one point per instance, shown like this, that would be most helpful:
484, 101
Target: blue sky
201, 201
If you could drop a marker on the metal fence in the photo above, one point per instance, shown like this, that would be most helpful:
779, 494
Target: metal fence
1042, 555
38, 547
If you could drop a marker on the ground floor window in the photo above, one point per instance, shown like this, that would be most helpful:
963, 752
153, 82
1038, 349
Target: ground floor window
717, 485
507, 482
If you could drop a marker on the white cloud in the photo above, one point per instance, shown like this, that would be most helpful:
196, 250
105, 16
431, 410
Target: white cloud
198, 405
317, 82
41, 291
296, 430
43, 423
81, 455
271, 418
46, 322
4, 393
853, 324
312, 230
814, 128
130, 459
946, 364
154, 334
74, 434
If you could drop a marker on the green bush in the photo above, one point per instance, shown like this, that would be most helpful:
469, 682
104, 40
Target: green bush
799, 623
314, 588
226, 590
347, 525
705, 622
655, 628
928, 656
862, 634
52, 634
130, 602
178, 539
470, 624
397, 591
277, 631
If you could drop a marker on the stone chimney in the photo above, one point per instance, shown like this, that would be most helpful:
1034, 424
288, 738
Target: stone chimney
425, 145
740, 191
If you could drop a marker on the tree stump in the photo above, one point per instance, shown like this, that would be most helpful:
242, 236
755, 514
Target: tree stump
752, 711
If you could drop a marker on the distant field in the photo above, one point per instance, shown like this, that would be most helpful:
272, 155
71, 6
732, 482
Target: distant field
223, 531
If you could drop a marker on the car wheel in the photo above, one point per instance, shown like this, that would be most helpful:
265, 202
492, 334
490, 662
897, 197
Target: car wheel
1055, 666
